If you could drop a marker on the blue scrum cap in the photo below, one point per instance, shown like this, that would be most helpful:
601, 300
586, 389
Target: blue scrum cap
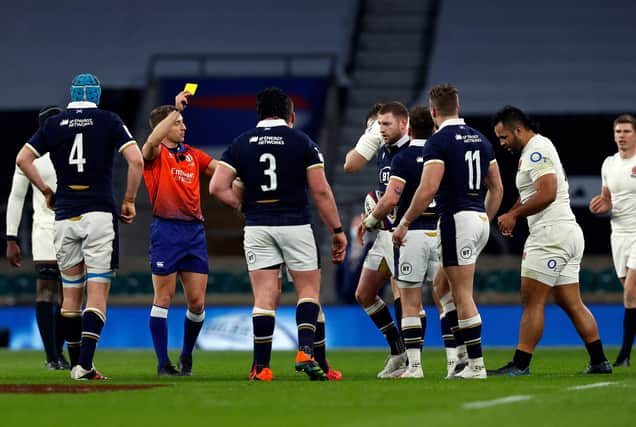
86, 87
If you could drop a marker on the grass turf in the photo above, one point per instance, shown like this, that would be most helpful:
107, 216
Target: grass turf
219, 394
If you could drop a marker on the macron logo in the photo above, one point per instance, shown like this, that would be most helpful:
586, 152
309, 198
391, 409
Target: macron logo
64, 122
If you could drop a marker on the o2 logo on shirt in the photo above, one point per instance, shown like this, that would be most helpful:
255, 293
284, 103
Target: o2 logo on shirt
552, 264
384, 174
536, 157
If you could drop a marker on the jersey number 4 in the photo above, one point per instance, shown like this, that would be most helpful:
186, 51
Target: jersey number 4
474, 169
270, 171
77, 153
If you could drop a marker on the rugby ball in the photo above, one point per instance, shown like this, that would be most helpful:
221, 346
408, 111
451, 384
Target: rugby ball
370, 201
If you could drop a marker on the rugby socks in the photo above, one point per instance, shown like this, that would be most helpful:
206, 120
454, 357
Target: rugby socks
263, 323
380, 315
521, 359
470, 332
45, 317
413, 341
629, 331
447, 335
191, 327
453, 324
320, 343
92, 323
307, 311
72, 325
423, 321
397, 306
159, 332
595, 350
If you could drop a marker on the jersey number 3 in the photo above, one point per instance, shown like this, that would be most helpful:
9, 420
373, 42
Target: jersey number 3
77, 153
270, 171
474, 169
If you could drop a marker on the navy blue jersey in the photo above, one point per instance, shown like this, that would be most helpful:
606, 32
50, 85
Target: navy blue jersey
82, 141
272, 161
466, 155
407, 167
385, 156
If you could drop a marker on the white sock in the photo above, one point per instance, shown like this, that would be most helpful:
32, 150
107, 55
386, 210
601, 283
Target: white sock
415, 357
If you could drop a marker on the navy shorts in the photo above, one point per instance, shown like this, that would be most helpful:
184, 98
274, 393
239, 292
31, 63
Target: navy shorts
177, 246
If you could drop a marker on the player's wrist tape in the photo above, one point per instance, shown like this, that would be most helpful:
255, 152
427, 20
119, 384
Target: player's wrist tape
404, 222
368, 145
370, 221
12, 238
338, 230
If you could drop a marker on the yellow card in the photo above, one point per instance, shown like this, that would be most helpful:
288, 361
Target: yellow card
191, 87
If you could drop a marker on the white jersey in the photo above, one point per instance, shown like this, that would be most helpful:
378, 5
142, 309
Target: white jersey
43, 217
538, 158
619, 176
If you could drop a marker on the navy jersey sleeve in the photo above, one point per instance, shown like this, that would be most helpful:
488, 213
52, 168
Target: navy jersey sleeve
313, 157
120, 133
433, 151
37, 143
399, 167
228, 158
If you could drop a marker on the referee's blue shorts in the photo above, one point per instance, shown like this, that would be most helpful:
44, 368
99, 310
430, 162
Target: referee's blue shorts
177, 246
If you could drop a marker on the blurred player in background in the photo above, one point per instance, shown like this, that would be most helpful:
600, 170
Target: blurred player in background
48, 292
418, 261
81, 141
553, 251
177, 236
618, 198
392, 119
461, 172
278, 166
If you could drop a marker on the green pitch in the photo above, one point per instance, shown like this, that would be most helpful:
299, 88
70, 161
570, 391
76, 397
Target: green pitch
219, 394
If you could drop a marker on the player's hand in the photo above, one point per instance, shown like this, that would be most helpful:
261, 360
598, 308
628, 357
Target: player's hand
181, 100
338, 248
600, 205
127, 212
49, 196
13, 253
506, 223
399, 235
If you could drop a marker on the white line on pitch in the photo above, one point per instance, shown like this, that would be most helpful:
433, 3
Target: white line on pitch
495, 402
594, 385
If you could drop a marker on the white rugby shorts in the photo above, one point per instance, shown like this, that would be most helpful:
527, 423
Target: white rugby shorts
463, 235
552, 254
623, 253
418, 260
381, 252
294, 245
89, 238
42, 244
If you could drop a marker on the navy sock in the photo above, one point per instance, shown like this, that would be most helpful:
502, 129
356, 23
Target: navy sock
471, 336
412, 333
447, 335
72, 324
191, 327
397, 306
629, 330
453, 324
92, 323
45, 317
595, 350
306, 317
159, 333
521, 359
381, 317
59, 330
320, 346
263, 324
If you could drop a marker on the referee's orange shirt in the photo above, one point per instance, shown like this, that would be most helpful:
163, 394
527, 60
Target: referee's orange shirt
172, 180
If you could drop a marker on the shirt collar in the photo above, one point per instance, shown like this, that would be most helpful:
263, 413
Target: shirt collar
400, 142
417, 143
271, 123
452, 122
81, 104
531, 140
